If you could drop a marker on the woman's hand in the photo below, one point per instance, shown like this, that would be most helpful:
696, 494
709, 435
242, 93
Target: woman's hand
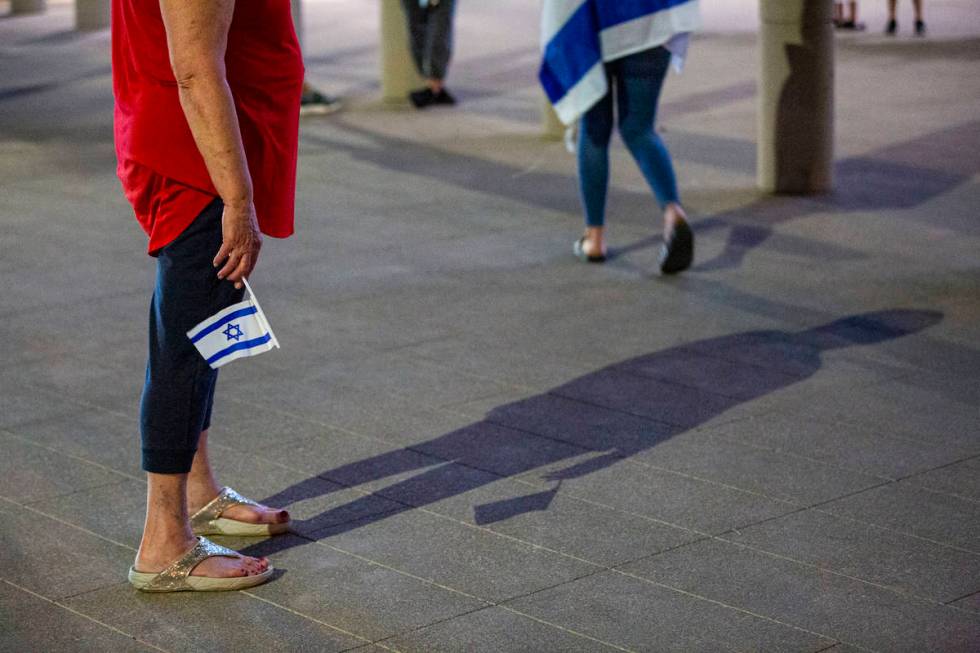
240, 243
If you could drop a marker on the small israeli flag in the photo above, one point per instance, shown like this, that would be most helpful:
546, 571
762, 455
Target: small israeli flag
235, 332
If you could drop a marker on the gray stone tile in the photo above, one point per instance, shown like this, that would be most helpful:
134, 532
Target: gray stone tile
452, 554
771, 473
115, 511
636, 615
352, 593
840, 608
82, 382
97, 436
491, 630
674, 498
907, 508
961, 479
857, 447
19, 405
54, 559
907, 564
23, 613
218, 621
32, 473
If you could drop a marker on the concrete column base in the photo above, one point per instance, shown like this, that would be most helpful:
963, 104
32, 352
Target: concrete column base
92, 14
20, 7
796, 96
398, 73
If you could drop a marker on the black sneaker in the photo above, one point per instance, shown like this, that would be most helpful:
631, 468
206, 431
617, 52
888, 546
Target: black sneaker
422, 98
443, 97
315, 103
891, 28
920, 28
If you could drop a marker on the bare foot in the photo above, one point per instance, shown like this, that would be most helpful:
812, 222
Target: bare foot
673, 214
594, 242
154, 558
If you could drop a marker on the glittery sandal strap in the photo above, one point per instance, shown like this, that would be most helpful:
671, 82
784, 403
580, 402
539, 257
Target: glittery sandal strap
202, 520
174, 577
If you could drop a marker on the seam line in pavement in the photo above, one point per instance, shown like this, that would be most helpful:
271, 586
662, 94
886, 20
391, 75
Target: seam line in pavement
84, 616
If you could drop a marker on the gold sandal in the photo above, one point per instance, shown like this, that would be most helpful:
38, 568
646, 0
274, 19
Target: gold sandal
208, 520
177, 576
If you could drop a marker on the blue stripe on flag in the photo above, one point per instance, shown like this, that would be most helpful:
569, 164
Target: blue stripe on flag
242, 312
238, 346
571, 54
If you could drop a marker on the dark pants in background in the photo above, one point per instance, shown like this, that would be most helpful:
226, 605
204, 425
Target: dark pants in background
430, 31
179, 390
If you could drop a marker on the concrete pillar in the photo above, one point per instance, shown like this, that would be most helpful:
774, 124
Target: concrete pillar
28, 6
398, 73
552, 128
796, 96
92, 14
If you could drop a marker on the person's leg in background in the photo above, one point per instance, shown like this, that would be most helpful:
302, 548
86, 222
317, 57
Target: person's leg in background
920, 22
439, 47
641, 78
430, 25
892, 26
595, 132
177, 396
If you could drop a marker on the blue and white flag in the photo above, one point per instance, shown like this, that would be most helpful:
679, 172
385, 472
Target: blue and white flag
579, 36
235, 332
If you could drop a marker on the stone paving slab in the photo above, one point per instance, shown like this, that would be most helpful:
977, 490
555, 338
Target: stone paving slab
23, 611
837, 606
624, 610
908, 564
910, 509
222, 621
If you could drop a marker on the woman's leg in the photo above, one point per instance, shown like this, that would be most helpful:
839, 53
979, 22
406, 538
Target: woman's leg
891, 9
637, 95
595, 132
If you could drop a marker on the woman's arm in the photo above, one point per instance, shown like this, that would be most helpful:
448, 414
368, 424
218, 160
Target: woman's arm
197, 35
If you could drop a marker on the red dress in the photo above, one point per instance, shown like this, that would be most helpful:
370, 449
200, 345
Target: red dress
162, 172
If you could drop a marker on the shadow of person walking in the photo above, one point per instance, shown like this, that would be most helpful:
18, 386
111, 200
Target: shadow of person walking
592, 422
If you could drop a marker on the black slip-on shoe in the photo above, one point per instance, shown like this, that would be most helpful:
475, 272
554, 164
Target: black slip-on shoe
677, 252
444, 97
422, 98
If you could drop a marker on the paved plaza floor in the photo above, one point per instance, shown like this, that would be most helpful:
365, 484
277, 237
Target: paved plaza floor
486, 445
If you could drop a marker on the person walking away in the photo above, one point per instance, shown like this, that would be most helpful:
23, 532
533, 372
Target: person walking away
430, 33
206, 127
601, 54
892, 26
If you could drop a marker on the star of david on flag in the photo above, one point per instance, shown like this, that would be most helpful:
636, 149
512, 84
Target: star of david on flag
235, 332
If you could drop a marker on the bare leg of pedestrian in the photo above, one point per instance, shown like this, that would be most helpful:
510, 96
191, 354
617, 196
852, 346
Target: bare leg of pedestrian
892, 27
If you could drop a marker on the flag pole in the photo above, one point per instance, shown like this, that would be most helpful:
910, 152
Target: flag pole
260, 314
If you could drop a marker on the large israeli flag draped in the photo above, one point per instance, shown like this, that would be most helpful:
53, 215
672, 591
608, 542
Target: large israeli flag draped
235, 332
578, 36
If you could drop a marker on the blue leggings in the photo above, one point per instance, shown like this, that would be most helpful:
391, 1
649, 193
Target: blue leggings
636, 79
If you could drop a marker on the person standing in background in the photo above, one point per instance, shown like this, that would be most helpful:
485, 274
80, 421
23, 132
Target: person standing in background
596, 51
892, 27
430, 32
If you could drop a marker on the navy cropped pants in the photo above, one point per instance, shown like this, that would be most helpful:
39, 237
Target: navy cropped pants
179, 389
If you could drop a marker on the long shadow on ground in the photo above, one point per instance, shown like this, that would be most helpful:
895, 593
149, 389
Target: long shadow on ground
598, 420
